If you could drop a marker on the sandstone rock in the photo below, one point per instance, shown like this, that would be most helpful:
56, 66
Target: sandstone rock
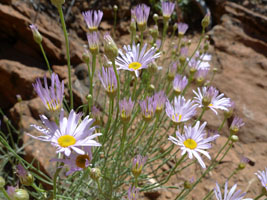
241, 56
16, 78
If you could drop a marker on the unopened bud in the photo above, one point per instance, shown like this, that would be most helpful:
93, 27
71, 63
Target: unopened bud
21, 194
36, 34
241, 166
5, 119
206, 46
175, 27
89, 97
151, 88
110, 48
133, 26
189, 42
155, 17
2, 182
206, 20
95, 174
234, 138
19, 99
57, 3
115, 8
187, 185
154, 32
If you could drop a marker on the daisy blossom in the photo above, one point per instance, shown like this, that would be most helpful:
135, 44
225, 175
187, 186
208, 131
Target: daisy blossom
71, 134
262, 175
134, 59
193, 142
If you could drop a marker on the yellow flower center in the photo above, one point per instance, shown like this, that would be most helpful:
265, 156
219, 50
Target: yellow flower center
50, 105
92, 29
179, 119
81, 160
66, 140
190, 144
210, 104
135, 65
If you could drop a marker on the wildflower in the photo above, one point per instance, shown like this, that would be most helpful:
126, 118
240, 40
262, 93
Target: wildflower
108, 80
36, 34
138, 164
243, 162
141, 12
182, 28
209, 97
262, 175
237, 123
230, 111
181, 110
134, 59
167, 9
93, 19
110, 48
159, 99
51, 97
75, 162
148, 108
126, 107
71, 134
93, 41
133, 193
179, 83
231, 195
200, 62
194, 142
201, 75
25, 177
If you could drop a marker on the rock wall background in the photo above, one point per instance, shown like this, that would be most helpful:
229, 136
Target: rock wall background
239, 49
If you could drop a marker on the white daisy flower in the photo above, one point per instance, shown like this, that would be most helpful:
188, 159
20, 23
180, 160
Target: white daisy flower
134, 59
181, 110
262, 175
193, 142
71, 134
231, 195
210, 98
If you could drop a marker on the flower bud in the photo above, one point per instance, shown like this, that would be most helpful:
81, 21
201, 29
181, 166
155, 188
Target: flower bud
115, 8
2, 182
241, 166
234, 138
5, 119
86, 56
19, 99
25, 177
189, 42
187, 185
151, 88
95, 174
110, 48
36, 34
154, 32
133, 26
206, 46
89, 97
206, 21
21, 194
175, 27
57, 3
155, 17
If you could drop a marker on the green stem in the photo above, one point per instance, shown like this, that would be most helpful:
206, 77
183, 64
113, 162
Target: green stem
67, 52
115, 22
213, 164
5, 193
259, 196
55, 182
233, 173
200, 116
134, 89
165, 27
198, 45
142, 39
221, 126
180, 193
118, 87
208, 195
46, 60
